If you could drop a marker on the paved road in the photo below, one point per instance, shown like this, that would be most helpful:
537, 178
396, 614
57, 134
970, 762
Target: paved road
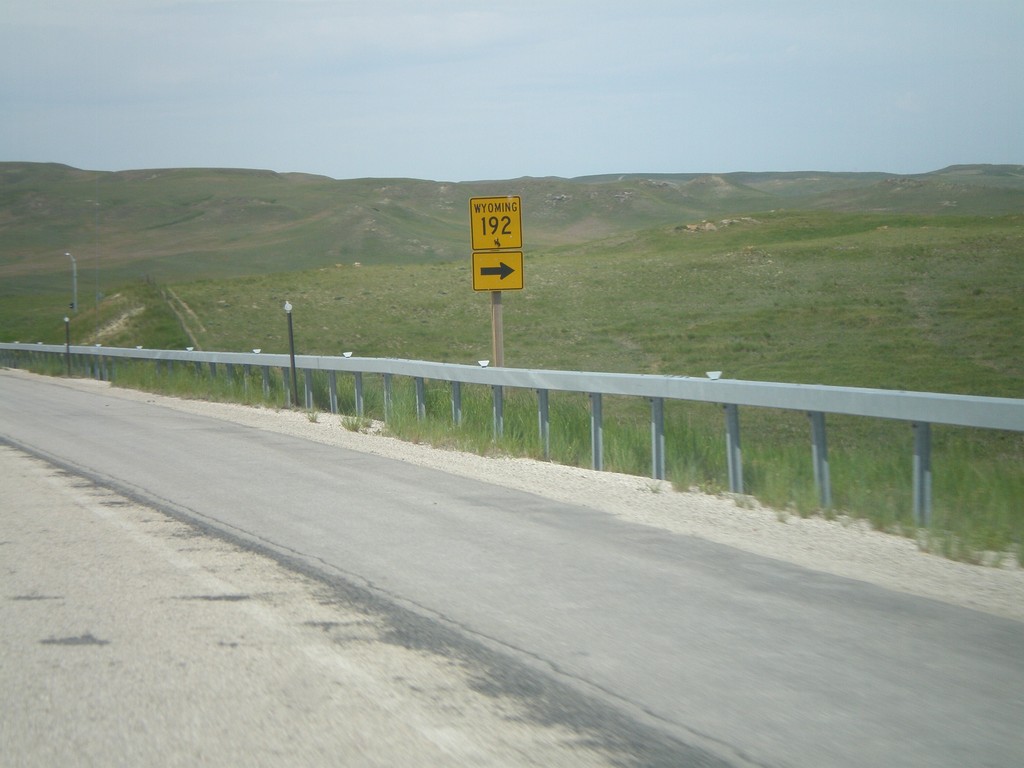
128, 638
672, 649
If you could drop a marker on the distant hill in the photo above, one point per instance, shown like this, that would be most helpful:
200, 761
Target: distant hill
174, 224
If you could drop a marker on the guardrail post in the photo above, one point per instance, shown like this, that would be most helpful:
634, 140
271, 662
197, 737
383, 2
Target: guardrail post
457, 403
544, 423
387, 396
421, 400
498, 411
332, 389
285, 373
359, 393
658, 438
819, 455
67, 345
307, 381
922, 474
266, 382
734, 455
213, 370
596, 432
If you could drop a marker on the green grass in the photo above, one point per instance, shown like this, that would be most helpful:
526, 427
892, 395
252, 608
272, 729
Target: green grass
180, 224
891, 303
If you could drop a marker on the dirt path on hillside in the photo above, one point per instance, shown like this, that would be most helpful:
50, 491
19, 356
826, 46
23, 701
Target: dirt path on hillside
181, 310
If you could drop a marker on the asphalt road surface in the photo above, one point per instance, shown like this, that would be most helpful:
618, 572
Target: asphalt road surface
589, 640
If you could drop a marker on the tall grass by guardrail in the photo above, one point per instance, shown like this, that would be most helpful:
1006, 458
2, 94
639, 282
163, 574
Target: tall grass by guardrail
978, 511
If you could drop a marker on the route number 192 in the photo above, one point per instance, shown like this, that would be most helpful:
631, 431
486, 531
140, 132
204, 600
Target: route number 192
492, 225
497, 223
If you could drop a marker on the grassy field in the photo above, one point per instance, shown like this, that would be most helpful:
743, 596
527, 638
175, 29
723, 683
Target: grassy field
896, 299
859, 300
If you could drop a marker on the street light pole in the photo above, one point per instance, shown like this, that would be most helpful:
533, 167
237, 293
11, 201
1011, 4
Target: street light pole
74, 282
291, 348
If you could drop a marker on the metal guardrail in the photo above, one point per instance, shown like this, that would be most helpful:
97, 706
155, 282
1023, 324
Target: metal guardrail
920, 409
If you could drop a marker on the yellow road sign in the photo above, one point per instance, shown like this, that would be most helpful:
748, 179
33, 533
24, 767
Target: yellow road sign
498, 271
497, 222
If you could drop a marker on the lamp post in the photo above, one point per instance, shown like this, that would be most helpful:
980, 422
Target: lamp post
74, 282
291, 351
67, 343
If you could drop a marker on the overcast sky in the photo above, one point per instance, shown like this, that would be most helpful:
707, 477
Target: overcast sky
489, 89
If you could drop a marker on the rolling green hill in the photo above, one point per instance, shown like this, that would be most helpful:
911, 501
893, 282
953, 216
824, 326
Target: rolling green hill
185, 224
845, 278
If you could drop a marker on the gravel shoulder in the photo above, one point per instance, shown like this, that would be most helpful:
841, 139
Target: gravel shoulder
843, 547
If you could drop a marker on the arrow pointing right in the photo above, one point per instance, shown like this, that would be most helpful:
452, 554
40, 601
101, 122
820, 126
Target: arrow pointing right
498, 271
504, 270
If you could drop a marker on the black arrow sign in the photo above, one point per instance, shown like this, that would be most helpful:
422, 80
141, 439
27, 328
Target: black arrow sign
504, 270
